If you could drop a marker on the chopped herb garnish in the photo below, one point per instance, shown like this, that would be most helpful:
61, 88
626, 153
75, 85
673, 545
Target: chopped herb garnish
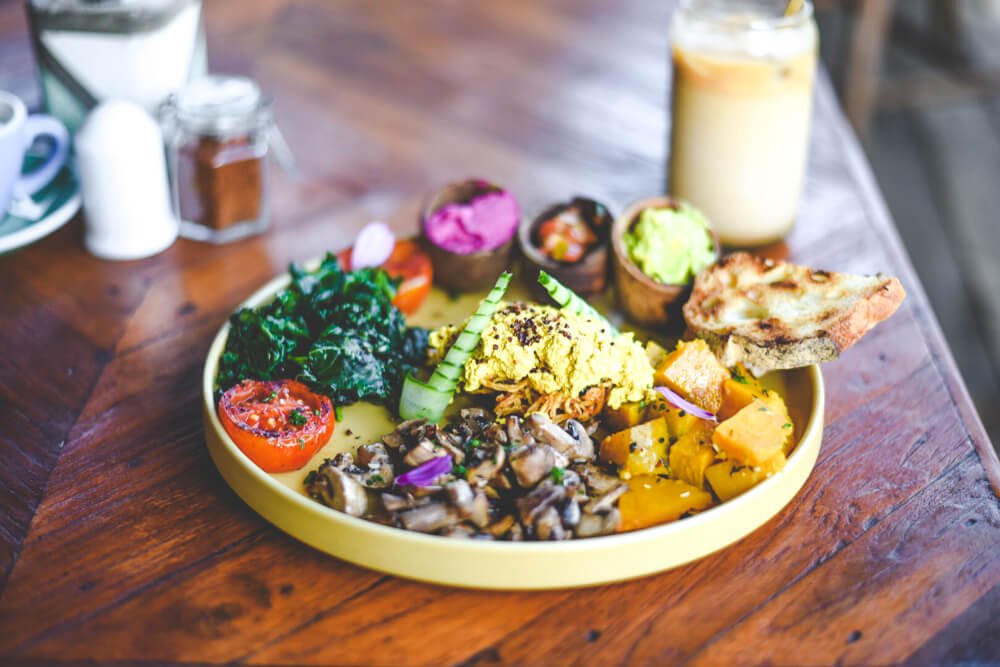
739, 377
786, 425
296, 418
558, 474
475, 442
270, 397
338, 412
376, 479
459, 470
302, 443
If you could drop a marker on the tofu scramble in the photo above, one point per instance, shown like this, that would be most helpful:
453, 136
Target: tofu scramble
552, 352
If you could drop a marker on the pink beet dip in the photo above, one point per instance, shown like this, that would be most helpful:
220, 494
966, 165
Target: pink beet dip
485, 222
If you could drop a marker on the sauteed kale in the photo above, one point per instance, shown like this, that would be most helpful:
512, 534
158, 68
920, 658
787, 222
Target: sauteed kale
336, 331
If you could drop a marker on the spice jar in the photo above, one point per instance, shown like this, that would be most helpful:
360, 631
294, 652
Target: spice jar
217, 131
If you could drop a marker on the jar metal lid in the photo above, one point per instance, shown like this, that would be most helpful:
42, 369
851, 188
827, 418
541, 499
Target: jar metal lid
220, 105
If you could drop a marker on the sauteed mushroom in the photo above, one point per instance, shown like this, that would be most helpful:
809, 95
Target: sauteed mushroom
521, 478
333, 487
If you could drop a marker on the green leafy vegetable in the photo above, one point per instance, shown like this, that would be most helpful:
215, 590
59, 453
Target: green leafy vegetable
336, 331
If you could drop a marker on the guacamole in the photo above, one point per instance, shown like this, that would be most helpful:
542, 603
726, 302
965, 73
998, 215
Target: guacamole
671, 245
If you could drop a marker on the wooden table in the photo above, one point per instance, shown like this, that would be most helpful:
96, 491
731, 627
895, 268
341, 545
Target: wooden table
119, 542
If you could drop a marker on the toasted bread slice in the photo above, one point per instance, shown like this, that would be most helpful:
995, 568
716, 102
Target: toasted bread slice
771, 315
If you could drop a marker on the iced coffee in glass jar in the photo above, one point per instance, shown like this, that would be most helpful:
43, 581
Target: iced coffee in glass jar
742, 96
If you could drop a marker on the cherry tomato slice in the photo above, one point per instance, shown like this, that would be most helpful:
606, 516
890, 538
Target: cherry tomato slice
409, 262
278, 424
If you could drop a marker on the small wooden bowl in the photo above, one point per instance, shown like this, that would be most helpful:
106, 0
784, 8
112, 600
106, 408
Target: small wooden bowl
644, 300
469, 272
588, 276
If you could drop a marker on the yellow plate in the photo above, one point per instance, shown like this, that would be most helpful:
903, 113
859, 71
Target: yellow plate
281, 498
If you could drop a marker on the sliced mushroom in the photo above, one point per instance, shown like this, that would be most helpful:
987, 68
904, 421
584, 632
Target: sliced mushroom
457, 453
429, 518
540, 498
374, 468
335, 488
571, 513
583, 449
410, 425
516, 435
547, 431
516, 533
592, 525
548, 525
394, 503
342, 460
422, 452
502, 482
501, 526
495, 433
460, 531
531, 463
490, 463
479, 513
476, 415
598, 482
376, 452
393, 440
460, 495
604, 504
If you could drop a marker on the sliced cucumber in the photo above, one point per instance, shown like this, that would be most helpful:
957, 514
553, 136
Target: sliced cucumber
571, 301
428, 400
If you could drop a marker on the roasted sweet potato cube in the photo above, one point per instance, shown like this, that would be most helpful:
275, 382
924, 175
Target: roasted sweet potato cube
653, 499
728, 479
753, 435
738, 391
624, 416
693, 371
679, 422
639, 450
691, 455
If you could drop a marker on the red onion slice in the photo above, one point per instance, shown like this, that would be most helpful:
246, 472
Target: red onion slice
675, 399
425, 473
373, 246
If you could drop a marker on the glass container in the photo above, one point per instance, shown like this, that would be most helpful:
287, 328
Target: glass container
89, 51
743, 76
217, 131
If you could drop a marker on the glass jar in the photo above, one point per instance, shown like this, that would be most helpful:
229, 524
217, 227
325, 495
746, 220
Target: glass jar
217, 130
89, 51
742, 95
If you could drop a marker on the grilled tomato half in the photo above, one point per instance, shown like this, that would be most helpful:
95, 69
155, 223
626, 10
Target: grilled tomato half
279, 424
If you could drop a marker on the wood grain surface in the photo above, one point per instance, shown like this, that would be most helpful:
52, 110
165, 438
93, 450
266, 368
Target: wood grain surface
120, 543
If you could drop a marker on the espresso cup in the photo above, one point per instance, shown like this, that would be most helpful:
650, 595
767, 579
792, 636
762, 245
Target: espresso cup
18, 131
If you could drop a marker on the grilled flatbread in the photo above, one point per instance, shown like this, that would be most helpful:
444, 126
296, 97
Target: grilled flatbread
772, 315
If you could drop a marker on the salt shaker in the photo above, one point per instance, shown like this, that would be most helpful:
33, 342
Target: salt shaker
123, 179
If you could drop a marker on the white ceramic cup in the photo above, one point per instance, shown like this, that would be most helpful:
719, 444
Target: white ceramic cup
18, 130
